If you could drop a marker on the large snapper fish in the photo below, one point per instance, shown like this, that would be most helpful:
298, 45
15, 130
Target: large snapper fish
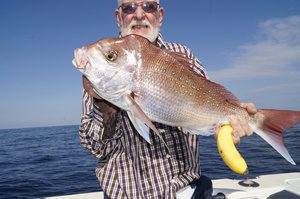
154, 84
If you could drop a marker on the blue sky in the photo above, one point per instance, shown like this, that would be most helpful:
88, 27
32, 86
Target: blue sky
251, 47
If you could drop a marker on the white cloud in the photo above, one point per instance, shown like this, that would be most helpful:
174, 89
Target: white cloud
276, 53
280, 87
282, 29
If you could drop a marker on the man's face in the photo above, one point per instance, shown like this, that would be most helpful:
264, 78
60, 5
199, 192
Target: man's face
140, 22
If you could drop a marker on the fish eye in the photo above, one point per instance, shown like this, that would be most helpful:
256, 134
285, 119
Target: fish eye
111, 55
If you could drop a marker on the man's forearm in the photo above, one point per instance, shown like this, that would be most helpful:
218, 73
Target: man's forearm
109, 116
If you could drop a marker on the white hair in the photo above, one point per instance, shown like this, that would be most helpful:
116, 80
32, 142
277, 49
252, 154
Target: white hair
120, 2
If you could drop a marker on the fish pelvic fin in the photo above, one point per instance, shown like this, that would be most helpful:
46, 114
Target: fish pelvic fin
270, 125
203, 132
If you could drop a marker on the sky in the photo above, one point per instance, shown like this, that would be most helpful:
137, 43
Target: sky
252, 47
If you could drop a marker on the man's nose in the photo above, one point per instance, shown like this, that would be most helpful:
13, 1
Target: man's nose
140, 13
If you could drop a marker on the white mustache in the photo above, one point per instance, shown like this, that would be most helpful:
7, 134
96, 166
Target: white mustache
139, 23
152, 35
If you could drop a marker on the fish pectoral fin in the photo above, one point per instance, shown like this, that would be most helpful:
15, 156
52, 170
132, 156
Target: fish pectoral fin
140, 120
180, 57
141, 128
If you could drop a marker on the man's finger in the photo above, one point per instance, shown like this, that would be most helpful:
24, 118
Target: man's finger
236, 139
250, 107
245, 126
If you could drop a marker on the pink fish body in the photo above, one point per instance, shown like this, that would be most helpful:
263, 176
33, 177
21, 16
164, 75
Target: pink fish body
153, 84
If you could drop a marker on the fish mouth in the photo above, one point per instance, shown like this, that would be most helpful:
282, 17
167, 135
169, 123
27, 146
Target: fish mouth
74, 62
80, 60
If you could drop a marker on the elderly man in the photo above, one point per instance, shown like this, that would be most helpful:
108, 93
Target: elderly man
128, 166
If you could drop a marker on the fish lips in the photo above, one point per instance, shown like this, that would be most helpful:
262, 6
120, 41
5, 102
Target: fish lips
80, 61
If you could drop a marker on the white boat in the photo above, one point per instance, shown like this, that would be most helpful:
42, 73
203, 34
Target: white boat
92, 195
274, 186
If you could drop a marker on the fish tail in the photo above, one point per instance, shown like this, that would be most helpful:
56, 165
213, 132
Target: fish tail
270, 125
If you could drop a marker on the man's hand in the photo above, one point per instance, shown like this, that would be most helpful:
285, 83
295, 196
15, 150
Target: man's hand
108, 110
240, 125
87, 85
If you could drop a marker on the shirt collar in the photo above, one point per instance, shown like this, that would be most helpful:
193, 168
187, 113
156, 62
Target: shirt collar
160, 41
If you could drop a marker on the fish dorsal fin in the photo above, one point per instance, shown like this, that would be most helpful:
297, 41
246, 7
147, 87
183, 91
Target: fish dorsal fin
229, 96
221, 90
181, 58
187, 62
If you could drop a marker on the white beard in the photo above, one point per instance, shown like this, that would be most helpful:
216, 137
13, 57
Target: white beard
150, 36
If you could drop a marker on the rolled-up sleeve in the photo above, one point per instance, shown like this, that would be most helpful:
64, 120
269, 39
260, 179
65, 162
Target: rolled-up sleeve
92, 128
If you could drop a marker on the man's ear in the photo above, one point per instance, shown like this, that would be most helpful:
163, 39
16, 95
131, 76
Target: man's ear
161, 15
118, 17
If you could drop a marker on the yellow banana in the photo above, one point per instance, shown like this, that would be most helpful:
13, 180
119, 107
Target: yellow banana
228, 151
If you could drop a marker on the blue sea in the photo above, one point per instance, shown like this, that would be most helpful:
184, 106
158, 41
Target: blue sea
50, 161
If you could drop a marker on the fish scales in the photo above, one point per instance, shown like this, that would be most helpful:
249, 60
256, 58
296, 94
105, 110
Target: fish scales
173, 93
165, 87
154, 84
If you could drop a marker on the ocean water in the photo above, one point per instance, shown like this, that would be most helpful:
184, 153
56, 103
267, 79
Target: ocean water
50, 161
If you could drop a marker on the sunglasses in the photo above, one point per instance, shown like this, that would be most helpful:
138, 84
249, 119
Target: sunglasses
148, 6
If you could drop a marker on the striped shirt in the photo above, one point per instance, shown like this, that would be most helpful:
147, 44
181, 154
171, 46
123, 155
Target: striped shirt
129, 167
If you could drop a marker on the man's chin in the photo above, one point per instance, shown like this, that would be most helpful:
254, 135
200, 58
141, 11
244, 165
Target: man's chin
140, 32
144, 33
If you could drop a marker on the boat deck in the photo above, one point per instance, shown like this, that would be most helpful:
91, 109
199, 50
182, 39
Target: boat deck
276, 186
